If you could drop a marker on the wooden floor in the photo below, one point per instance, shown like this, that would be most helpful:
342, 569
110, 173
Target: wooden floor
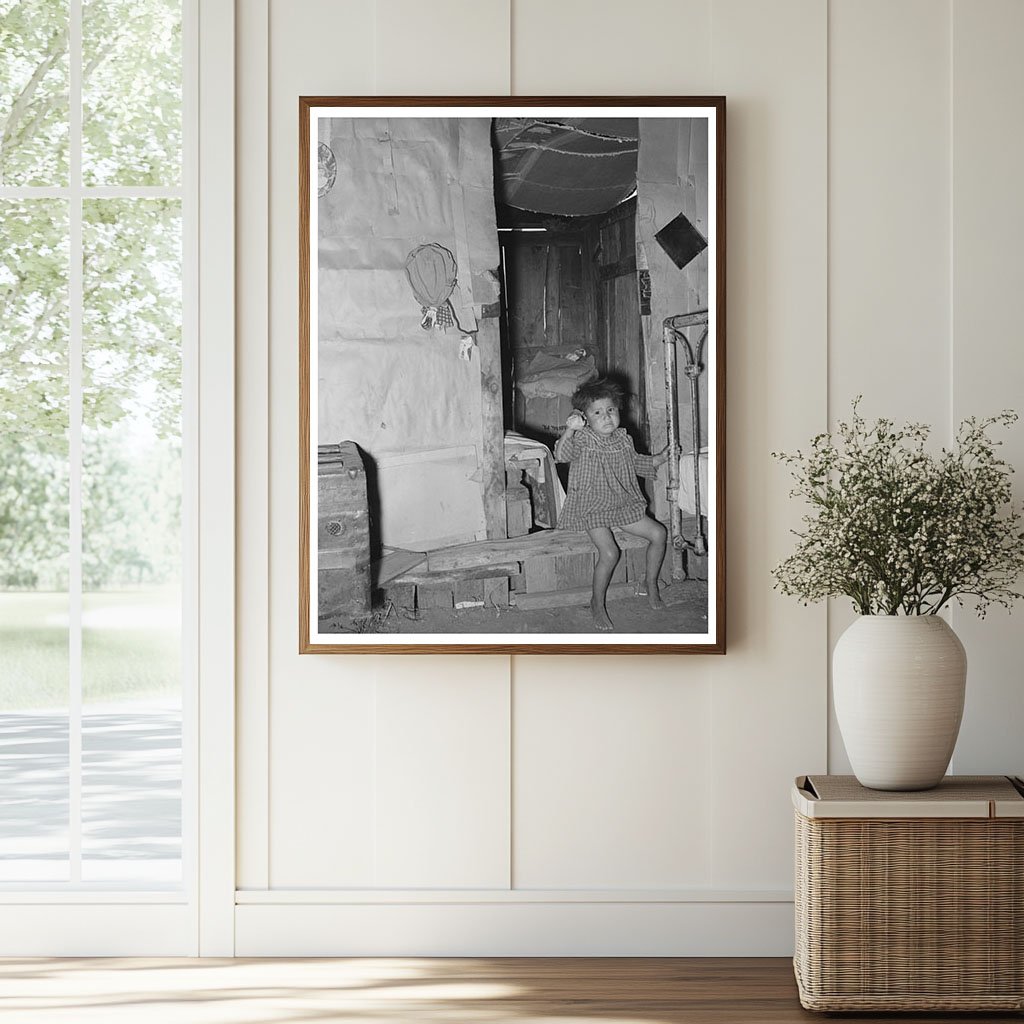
383, 991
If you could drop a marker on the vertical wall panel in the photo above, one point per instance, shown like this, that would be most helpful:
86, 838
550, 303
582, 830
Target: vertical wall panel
769, 692
612, 778
323, 777
604, 48
321, 709
443, 722
776, 260
442, 48
888, 224
326, 736
442, 770
987, 365
889, 209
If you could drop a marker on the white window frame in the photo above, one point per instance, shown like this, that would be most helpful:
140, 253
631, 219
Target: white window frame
50, 919
216, 394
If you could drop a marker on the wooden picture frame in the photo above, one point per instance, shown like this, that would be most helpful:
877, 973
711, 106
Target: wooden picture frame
465, 263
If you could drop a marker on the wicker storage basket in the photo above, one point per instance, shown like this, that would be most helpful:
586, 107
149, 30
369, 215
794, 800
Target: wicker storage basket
910, 901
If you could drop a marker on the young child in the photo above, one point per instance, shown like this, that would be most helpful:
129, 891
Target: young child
603, 490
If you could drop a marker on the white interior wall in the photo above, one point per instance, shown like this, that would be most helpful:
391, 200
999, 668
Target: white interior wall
889, 216
985, 359
545, 805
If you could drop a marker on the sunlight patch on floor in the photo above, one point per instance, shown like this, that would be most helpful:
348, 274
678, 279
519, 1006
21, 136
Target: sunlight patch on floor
357, 991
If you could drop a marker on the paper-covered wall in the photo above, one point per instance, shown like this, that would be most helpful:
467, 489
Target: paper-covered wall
404, 394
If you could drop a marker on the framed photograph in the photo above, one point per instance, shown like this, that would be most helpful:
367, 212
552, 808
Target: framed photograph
512, 375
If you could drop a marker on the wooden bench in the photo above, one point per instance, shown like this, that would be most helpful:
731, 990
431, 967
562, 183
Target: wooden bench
542, 570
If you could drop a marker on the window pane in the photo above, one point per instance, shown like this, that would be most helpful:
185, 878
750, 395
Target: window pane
34, 805
33, 92
131, 92
131, 743
131, 541
33, 540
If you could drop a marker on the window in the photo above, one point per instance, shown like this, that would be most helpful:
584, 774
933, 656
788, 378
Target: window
94, 454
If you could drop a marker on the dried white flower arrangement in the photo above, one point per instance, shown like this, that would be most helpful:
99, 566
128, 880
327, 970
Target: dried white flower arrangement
899, 530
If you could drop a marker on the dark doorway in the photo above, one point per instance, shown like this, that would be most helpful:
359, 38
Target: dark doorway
570, 310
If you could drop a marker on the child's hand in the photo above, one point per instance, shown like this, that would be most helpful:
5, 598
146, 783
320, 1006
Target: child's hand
575, 422
660, 458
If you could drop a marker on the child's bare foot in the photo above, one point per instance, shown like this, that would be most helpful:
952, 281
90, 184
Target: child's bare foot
601, 620
652, 595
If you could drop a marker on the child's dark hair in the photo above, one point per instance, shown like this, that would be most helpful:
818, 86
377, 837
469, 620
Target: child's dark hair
586, 394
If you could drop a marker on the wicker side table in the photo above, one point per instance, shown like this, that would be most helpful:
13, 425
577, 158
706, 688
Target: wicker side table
910, 901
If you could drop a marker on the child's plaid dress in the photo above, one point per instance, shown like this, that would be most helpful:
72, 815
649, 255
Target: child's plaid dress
603, 489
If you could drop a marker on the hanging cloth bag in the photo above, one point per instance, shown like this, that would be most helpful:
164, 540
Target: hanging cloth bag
431, 271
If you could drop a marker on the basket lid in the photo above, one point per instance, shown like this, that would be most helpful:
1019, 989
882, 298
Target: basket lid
957, 796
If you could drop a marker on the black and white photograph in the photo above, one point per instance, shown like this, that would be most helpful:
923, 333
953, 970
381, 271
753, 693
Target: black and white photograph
512, 375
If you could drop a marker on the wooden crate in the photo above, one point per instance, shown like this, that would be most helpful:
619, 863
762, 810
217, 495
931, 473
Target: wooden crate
343, 533
558, 572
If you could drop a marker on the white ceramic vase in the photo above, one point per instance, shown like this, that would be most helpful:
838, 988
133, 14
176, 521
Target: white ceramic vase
898, 684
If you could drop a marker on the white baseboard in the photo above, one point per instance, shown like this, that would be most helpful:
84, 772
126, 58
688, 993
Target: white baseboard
519, 928
96, 929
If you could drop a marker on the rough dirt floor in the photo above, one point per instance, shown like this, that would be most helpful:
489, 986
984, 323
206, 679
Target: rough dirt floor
685, 611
